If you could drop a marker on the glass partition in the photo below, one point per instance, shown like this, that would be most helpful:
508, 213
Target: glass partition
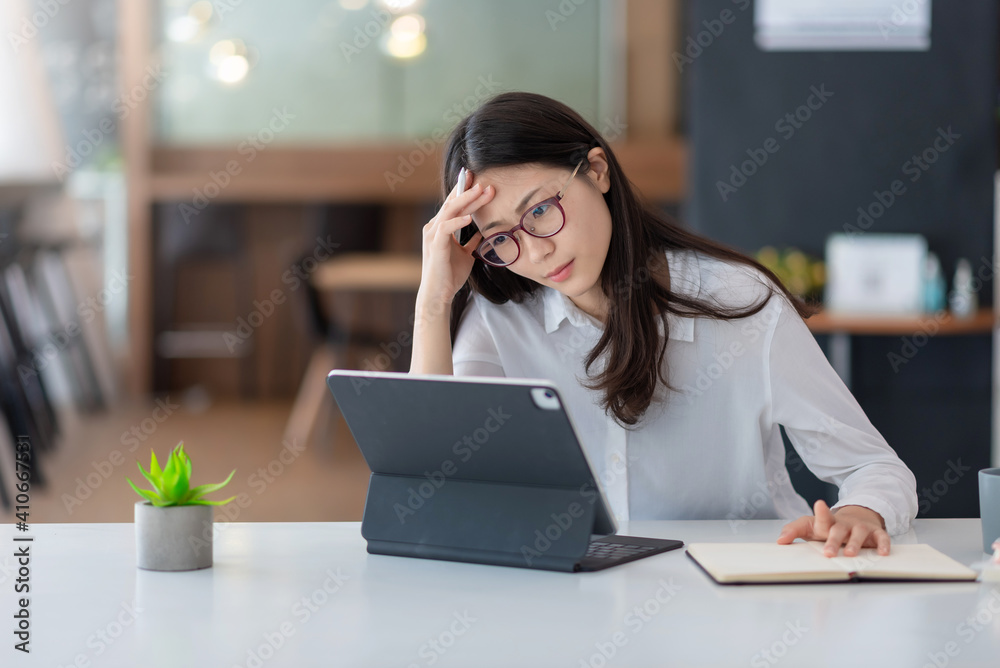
375, 70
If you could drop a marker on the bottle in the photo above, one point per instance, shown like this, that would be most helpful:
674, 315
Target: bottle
935, 288
963, 300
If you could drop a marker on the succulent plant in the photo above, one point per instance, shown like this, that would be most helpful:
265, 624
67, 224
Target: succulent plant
803, 275
171, 484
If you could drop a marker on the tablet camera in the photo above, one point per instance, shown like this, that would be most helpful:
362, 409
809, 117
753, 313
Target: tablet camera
545, 399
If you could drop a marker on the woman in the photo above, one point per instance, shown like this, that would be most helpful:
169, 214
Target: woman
678, 358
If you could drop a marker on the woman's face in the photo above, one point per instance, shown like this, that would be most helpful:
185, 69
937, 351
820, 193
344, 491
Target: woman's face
570, 261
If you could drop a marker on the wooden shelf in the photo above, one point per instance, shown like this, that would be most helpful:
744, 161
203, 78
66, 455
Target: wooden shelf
824, 322
363, 173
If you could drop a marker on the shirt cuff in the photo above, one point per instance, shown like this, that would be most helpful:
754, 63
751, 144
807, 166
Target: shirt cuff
894, 523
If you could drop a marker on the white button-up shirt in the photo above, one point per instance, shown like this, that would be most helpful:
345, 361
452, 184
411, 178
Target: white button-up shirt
712, 449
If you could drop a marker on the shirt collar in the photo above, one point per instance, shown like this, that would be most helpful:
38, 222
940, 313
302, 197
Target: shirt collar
558, 307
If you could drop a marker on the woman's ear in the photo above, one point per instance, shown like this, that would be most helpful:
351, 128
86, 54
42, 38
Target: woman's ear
599, 172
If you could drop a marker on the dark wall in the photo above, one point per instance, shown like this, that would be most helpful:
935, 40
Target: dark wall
873, 112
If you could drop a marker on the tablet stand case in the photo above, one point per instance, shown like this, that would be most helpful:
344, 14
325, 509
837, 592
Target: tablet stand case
481, 522
525, 497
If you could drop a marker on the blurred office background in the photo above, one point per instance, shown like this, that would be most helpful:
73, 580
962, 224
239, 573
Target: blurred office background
205, 206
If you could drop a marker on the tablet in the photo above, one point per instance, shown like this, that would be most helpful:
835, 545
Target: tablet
477, 469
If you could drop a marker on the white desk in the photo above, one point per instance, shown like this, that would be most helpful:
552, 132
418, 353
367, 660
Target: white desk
387, 612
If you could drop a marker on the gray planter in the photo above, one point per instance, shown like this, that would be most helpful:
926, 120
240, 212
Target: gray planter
173, 538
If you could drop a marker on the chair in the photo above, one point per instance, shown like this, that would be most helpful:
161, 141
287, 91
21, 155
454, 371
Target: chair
218, 240
344, 279
21, 415
46, 299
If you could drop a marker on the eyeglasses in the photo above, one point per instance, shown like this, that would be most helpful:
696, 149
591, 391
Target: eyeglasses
544, 219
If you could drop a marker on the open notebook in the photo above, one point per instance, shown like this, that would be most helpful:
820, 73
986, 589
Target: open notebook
762, 563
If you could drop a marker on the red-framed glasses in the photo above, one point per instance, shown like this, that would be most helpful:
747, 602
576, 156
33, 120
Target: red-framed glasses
541, 220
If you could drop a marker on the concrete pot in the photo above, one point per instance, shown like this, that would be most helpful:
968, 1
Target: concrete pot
173, 538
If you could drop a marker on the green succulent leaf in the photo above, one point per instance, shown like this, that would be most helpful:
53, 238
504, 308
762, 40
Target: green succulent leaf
150, 496
187, 461
154, 466
206, 502
154, 480
180, 485
172, 475
172, 483
202, 490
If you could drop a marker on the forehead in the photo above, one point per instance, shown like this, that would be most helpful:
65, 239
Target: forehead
514, 175
512, 184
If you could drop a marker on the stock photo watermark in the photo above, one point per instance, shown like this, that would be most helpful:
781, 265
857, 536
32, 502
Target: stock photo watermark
301, 612
773, 653
761, 499
101, 640
263, 309
786, 126
223, 7
425, 148
635, 620
290, 452
982, 619
748, 507
104, 468
900, 16
366, 34
914, 168
463, 449
561, 523
549, 535
249, 148
706, 37
259, 481
436, 647
22, 544
724, 360
36, 21
562, 12
87, 310
122, 106
933, 493
929, 326
391, 350
140, 433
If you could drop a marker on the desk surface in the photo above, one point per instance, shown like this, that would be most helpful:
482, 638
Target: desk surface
308, 594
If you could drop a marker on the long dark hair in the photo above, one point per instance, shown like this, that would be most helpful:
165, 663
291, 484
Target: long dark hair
525, 128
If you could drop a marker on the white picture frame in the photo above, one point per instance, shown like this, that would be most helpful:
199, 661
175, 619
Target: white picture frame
875, 274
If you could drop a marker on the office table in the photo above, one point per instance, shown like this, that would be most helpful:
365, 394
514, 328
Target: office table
308, 594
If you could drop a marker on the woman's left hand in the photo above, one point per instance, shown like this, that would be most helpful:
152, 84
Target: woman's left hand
855, 525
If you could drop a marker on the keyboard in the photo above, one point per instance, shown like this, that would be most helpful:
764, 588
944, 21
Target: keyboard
613, 550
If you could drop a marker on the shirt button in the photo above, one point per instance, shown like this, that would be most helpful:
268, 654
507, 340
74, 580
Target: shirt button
616, 458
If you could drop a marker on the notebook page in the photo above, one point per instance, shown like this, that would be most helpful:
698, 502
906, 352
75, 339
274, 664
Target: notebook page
766, 562
919, 561
866, 557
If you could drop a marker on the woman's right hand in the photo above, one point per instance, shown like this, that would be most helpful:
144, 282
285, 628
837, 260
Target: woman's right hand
446, 264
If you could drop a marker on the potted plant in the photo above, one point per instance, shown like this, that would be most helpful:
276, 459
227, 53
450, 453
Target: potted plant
170, 522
